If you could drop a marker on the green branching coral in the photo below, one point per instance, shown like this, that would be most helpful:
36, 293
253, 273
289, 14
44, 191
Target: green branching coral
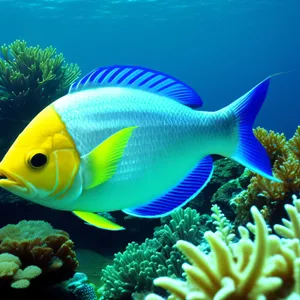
131, 271
182, 223
135, 268
31, 78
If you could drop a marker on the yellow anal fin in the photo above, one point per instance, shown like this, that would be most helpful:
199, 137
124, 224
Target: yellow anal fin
101, 163
97, 221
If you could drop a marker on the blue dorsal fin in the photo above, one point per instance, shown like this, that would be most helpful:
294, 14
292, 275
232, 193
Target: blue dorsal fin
139, 78
187, 189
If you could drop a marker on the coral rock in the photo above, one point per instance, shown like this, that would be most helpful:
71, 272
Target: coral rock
36, 243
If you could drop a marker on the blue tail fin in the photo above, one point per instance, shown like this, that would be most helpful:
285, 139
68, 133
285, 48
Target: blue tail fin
250, 152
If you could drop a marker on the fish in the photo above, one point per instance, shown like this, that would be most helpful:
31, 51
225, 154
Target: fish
133, 139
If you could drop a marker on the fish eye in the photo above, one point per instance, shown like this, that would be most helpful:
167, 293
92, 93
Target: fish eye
38, 160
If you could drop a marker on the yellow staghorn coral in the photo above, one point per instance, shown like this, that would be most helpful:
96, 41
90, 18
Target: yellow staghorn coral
273, 142
294, 143
286, 165
290, 229
222, 224
268, 268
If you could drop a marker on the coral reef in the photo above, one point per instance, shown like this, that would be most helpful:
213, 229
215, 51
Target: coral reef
80, 286
274, 143
266, 268
238, 195
134, 270
229, 190
37, 243
225, 169
30, 79
12, 274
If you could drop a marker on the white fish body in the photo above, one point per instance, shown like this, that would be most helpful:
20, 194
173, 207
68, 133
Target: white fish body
169, 142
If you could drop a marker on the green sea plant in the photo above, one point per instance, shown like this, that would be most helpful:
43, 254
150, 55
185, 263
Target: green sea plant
31, 78
133, 270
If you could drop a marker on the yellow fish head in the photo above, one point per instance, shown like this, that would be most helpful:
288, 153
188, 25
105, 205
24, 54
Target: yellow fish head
43, 162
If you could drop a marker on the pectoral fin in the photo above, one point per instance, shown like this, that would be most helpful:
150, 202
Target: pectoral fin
101, 163
97, 221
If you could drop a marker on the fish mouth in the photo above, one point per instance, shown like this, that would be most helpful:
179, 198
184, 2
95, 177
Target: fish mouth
11, 182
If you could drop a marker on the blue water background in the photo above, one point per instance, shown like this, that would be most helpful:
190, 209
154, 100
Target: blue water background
220, 47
